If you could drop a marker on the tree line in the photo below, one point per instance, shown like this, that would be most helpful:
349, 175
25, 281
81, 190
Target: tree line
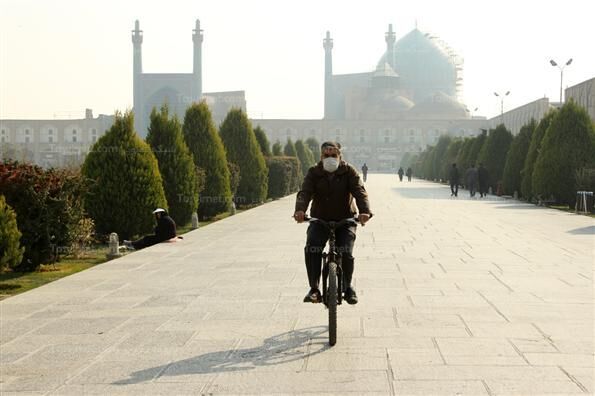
549, 160
186, 167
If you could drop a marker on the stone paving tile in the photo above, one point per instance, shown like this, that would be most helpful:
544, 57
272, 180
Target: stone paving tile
442, 388
284, 382
523, 387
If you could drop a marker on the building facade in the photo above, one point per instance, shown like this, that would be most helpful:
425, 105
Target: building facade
52, 143
584, 95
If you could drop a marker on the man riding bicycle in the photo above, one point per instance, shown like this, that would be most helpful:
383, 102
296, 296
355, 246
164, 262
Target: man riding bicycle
331, 185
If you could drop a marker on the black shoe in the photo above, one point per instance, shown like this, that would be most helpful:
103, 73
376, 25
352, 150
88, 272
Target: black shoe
350, 296
313, 296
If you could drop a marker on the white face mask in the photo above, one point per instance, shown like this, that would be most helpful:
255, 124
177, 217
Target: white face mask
330, 164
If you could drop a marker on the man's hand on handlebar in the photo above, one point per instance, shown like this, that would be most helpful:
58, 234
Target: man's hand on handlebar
299, 216
363, 218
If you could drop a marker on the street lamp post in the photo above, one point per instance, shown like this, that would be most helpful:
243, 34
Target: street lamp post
553, 63
502, 104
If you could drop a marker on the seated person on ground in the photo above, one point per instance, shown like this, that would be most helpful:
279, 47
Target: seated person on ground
165, 230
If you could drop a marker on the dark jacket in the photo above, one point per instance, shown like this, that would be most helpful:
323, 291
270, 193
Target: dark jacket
483, 178
453, 175
332, 194
166, 228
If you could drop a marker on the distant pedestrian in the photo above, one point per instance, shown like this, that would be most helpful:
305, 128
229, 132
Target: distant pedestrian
471, 180
484, 182
409, 173
400, 172
453, 177
365, 171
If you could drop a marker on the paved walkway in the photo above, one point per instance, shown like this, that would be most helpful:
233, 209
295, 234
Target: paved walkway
457, 296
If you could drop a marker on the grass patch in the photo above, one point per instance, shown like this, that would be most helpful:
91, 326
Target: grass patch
12, 283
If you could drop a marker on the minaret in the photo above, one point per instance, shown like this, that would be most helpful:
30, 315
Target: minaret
327, 44
197, 38
137, 40
390, 39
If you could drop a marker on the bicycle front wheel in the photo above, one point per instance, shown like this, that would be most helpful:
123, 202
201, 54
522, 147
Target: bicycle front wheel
332, 303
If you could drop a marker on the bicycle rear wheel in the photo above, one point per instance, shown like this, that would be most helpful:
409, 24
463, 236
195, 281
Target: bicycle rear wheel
332, 303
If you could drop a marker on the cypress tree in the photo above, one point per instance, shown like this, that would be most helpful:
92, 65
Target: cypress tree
208, 153
314, 146
289, 149
439, 156
478, 142
11, 253
175, 165
534, 147
263, 141
568, 145
511, 179
243, 150
450, 157
127, 184
277, 150
493, 153
304, 155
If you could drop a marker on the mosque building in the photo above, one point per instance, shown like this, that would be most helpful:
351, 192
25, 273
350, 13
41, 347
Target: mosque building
410, 99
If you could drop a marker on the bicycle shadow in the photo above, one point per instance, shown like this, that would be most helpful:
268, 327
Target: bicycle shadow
280, 349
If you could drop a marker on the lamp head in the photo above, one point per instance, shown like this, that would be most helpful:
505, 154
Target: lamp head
569, 61
553, 63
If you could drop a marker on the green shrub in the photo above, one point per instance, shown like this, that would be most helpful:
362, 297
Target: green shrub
243, 150
532, 153
208, 153
296, 174
11, 253
568, 145
280, 176
48, 204
127, 185
175, 165
515, 160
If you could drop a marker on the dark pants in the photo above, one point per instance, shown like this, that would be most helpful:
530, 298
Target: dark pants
365, 176
317, 238
454, 189
147, 241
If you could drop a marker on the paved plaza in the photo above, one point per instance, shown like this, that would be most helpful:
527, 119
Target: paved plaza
457, 297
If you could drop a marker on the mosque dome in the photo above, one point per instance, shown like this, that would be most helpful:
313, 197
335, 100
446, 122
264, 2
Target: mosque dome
439, 105
424, 64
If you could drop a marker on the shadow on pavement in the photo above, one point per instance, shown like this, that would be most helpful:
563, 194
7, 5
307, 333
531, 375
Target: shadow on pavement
590, 230
280, 349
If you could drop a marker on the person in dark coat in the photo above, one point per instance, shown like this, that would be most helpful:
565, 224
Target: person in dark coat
165, 230
332, 186
400, 172
471, 180
484, 181
453, 177
365, 171
409, 173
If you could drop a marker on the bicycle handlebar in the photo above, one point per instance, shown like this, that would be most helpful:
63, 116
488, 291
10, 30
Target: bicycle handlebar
337, 224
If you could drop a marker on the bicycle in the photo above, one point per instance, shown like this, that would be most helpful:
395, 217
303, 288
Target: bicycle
333, 272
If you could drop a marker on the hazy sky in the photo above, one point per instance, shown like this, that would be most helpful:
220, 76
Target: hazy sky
59, 57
